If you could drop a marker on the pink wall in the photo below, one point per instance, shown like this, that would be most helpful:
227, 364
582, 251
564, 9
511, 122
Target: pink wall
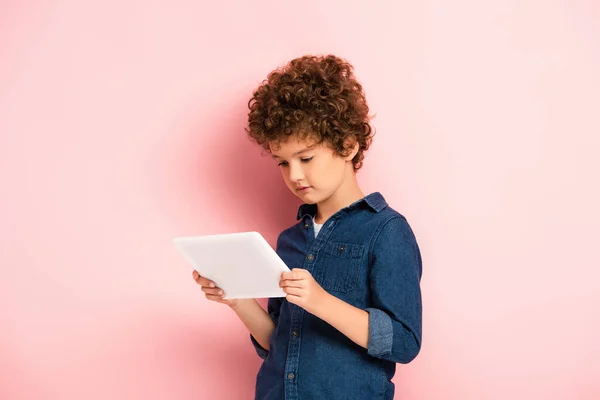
121, 126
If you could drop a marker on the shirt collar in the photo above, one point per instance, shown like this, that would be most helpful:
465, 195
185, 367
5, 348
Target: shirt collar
374, 200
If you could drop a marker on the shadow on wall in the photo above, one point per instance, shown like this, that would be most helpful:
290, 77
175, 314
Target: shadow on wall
197, 359
157, 356
244, 190
244, 185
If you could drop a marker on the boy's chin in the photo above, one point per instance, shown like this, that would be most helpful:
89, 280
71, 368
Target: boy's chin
308, 197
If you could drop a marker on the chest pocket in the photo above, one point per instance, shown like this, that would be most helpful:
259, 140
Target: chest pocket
340, 266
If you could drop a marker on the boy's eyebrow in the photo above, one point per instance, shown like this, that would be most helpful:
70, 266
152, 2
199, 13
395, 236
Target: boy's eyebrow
296, 153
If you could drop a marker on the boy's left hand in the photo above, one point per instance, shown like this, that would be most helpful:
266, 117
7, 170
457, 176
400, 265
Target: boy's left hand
302, 289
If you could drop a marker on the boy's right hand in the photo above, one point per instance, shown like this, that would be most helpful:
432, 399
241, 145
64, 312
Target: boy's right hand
213, 292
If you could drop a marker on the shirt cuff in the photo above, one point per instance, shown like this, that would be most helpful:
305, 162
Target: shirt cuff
381, 333
262, 353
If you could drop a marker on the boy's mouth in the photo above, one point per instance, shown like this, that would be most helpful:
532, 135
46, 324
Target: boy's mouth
302, 188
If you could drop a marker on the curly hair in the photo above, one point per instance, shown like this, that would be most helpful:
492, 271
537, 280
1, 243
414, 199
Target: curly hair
314, 97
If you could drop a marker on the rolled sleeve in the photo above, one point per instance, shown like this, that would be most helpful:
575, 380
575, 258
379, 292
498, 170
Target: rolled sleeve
381, 334
396, 312
262, 353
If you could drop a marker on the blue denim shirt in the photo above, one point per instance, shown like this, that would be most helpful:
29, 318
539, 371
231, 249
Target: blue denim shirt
365, 254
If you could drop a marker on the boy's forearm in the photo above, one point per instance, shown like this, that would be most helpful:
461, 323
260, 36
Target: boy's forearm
351, 321
257, 320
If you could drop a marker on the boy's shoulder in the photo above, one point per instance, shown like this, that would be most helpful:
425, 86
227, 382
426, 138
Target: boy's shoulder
389, 212
385, 220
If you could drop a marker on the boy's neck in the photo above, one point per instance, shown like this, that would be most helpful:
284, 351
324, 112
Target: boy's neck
348, 193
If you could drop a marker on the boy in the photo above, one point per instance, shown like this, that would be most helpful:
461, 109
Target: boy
353, 302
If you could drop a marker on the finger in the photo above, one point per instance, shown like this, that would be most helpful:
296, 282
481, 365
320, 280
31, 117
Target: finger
292, 291
294, 274
213, 297
289, 275
292, 283
205, 282
202, 281
215, 291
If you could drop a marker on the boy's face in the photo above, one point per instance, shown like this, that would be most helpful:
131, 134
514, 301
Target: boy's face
311, 172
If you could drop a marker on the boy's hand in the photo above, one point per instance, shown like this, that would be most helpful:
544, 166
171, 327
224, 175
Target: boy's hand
213, 292
302, 289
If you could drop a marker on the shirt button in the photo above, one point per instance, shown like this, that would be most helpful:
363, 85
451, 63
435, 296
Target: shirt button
291, 376
341, 248
295, 333
311, 257
306, 225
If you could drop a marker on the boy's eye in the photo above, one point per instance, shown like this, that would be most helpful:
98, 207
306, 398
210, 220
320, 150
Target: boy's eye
304, 160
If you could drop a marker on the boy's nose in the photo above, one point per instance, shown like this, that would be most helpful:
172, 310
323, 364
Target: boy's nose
296, 173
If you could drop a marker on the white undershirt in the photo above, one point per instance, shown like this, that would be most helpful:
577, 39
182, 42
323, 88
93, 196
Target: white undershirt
317, 227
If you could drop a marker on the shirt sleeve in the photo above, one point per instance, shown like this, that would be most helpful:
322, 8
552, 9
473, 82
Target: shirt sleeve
273, 307
395, 318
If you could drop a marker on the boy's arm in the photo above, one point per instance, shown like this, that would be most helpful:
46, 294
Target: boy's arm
396, 311
256, 319
259, 322
391, 328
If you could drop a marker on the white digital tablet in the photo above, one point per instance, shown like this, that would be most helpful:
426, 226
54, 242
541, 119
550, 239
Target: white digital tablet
243, 264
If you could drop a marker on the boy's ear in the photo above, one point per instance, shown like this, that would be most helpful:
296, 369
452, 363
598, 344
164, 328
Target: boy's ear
355, 149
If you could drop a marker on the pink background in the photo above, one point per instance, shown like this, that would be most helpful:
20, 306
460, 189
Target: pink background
121, 126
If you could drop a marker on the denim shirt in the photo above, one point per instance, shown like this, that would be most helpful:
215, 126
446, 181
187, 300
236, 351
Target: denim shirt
366, 255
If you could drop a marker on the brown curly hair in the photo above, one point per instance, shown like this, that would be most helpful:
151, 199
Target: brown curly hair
314, 97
